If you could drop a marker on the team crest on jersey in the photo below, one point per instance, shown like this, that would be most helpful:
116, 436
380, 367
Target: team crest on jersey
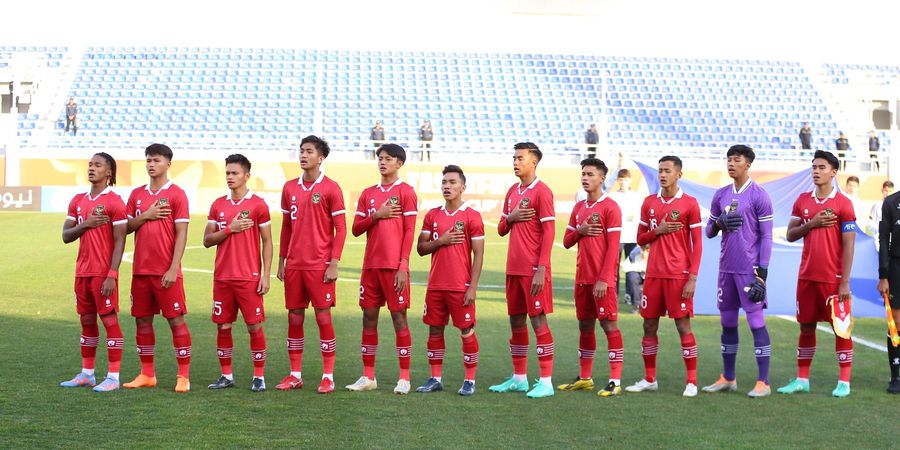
733, 206
244, 214
98, 210
829, 212
395, 200
675, 214
163, 202
459, 226
316, 198
524, 203
595, 217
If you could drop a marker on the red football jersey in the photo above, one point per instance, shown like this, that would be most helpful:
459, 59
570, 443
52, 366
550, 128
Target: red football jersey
95, 246
384, 239
239, 256
524, 251
670, 254
823, 248
451, 265
598, 256
314, 209
154, 241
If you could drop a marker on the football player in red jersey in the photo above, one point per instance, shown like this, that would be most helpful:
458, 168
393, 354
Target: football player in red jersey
237, 224
670, 223
825, 220
158, 215
386, 213
453, 234
313, 232
97, 220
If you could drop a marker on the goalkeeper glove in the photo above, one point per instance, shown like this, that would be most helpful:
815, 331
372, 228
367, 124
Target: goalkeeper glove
757, 289
730, 221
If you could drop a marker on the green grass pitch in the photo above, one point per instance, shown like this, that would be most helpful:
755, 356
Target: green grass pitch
39, 342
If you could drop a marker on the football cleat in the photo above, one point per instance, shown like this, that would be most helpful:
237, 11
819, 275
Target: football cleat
82, 379
894, 386
182, 384
467, 389
796, 385
140, 381
432, 385
258, 385
326, 386
842, 390
108, 385
721, 385
579, 384
402, 387
510, 385
363, 384
222, 383
690, 390
289, 382
540, 390
643, 386
611, 390
760, 390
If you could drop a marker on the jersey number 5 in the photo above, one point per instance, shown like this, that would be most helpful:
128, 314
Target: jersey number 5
217, 308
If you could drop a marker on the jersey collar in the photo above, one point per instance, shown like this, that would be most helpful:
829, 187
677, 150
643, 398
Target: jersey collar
678, 194
590, 206
462, 207
165, 186
380, 186
248, 195
833, 193
318, 180
530, 186
743, 188
105, 191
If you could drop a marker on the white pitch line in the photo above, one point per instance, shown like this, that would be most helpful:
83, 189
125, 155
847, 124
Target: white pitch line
856, 339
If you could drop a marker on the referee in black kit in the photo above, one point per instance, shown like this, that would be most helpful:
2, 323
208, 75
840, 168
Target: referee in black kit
889, 275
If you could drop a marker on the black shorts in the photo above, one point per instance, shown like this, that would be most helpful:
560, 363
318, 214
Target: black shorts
894, 281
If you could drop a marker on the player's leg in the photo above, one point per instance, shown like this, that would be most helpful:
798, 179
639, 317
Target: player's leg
586, 314
404, 349
107, 308
295, 344
371, 298
688, 353
894, 352
843, 349
436, 316
181, 340
327, 344
615, 353
807, 315
143, 308
250, 303
517, 310
224, 313
470, 360
729, 305
652, 307
762, 348
538, 307
90, 335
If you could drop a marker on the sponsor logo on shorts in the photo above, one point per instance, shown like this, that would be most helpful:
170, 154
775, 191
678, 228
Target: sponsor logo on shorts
258, 312
683, 307
537, 304
400, 300
602, 310
108, 302
468, 317
176, 306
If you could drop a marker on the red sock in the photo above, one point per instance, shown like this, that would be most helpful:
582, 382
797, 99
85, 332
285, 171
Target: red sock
587, 346
844, 350
295, 341
689, 353
470, 355
544, 340
404, 348
181, 340
225, 348
518, 348
369, 349
327, 341
258, 350
649, 348
146, 346
436, 349
90, 337
806, 350
114, 341
616, 354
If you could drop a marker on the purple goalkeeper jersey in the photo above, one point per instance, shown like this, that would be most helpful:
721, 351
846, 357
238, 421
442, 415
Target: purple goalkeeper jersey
751, 245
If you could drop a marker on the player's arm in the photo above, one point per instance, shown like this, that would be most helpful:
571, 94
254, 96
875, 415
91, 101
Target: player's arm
284, 238
504, 226
154, 212
265, 234
426, 246
766, 217
613, 238
884, 245
475, 275
696, 253
337, 245
362, 221
644, 234
547, 214
171, 275
409, 232
120, 230
848, 239
715, 210
72, 230
572, 236
212, 237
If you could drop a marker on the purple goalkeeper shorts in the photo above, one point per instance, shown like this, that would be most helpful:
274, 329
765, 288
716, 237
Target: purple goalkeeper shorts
731, 295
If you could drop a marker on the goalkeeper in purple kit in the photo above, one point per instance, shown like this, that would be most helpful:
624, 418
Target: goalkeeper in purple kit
743, 213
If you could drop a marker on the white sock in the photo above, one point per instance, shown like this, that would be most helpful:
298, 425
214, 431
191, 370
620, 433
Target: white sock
438, 378
228, 376
297, 375
803, 379
113, 375
88, 372
520, 377
546, 380
328, 376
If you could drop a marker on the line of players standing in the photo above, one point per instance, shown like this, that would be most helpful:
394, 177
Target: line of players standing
312, 240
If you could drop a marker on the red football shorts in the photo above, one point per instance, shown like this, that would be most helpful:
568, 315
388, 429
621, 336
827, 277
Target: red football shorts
440, 306
589, 307
663, 295
148, 297
302, 287
88, 299
811, 296
231, 295
376, 289
520, 301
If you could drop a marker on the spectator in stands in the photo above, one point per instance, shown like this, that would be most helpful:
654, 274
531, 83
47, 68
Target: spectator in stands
426, 134
874, 147
806, 136
591, 138
842, 145
377, 137
887, 188
72, 116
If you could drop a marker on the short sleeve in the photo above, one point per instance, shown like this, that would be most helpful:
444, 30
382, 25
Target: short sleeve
361, 205
212, 214
426, 228
336, 201
573, 218
847, 213
795, 211
410, 204
130, 207
285, 199
476, 226
546, 210
645, 216
694, 219
117, 210
613, 217
263, 219
72, 213
506, 203
181, 210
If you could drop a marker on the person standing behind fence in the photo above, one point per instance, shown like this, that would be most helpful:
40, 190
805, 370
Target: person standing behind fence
377, 137
842, 145
591, 139
874, 147
72, 116
426, 134
806, 136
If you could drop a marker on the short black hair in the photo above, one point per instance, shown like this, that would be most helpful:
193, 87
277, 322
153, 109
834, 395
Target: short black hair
675, 160
454, 169
853, 178
623, 173
531, 147
320, 144
594, 162
238, 158
741, 150
393, 150
887, 184
112, 166
159, 150
827, 156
